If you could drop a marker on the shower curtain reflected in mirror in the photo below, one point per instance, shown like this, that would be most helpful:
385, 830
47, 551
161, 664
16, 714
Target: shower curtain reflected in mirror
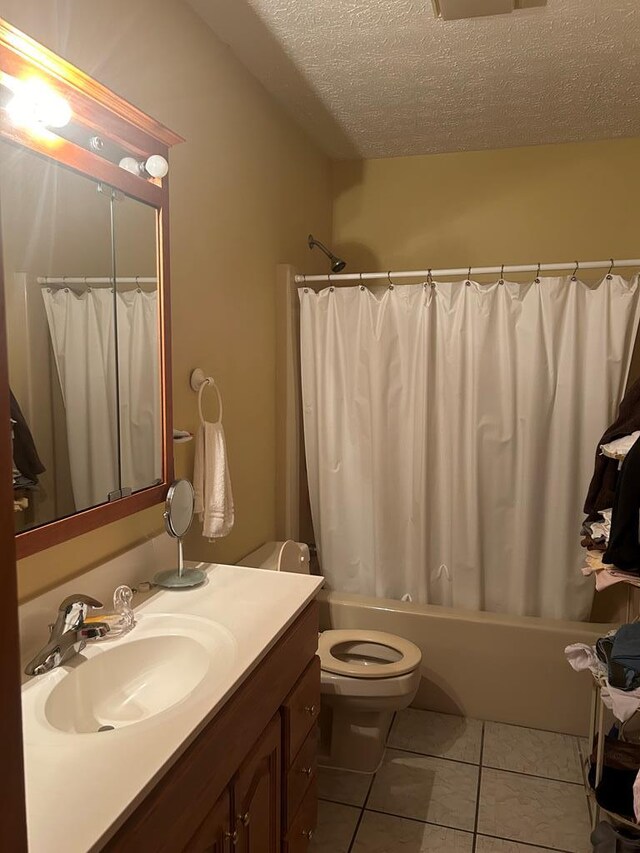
450, 434
81, 326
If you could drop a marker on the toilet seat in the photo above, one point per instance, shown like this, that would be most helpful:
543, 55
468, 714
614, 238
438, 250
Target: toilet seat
369, 654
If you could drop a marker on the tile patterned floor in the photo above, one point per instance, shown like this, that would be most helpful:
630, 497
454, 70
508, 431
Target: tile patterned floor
452, 785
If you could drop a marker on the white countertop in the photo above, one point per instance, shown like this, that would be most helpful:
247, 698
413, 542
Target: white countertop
82, 787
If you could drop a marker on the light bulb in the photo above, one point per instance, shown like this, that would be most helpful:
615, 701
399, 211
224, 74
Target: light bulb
156, 166
34, 103
130, 164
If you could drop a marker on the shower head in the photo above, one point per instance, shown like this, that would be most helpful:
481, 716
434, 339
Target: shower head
337, 264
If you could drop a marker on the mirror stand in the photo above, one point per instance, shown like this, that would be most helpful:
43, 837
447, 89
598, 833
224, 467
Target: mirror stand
178, 516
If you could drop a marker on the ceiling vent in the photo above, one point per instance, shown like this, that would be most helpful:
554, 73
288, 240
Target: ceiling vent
455, 10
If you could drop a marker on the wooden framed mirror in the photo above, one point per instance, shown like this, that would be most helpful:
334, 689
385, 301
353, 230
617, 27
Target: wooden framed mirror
84, 219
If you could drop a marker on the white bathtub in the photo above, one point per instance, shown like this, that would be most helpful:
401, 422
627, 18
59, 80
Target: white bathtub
485, 665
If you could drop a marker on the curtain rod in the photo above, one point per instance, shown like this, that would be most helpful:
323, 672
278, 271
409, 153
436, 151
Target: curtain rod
66, 279
574, 266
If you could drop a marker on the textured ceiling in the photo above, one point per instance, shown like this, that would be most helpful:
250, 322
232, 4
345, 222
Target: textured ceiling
385, 78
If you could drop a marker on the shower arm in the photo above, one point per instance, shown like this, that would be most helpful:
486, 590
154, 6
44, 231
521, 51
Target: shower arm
337, 264
312, 241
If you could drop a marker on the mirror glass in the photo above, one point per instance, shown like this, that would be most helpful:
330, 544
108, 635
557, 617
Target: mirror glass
179, 508
83, 353
137, 323
62, 364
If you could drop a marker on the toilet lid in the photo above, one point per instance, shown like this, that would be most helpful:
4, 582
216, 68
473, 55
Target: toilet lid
367, 654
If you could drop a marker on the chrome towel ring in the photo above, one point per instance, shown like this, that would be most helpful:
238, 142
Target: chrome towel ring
199, 381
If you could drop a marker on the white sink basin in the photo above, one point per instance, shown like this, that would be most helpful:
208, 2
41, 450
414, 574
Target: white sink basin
164, 660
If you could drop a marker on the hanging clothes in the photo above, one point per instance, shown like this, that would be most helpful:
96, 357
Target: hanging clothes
25, 455
624, 547
605, 474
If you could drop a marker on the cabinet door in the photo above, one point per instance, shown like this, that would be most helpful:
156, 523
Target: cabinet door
256, 795
214, 834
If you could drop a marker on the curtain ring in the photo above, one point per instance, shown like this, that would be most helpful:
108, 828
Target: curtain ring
390, 282
574, 277
501, 274
362, 287
331, 287
468, 281
537, 279
609, 276
429, 277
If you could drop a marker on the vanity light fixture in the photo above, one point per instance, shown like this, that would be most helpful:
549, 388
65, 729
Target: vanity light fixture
35, 105
155, 166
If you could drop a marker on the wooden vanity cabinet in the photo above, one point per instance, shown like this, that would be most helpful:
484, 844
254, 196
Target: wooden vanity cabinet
247, 783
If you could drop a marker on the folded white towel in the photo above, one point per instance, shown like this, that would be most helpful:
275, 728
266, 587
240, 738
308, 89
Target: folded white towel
619, 448
212, 483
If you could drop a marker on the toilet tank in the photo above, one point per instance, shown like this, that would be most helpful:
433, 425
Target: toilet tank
286, 556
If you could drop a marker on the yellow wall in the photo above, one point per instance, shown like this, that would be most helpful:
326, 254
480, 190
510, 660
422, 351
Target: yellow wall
246, 188
518, 205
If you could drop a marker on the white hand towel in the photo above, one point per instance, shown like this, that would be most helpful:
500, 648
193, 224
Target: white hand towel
212, 483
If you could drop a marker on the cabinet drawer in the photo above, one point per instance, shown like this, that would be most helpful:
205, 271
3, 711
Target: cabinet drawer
301, 710
302, 772
298, 839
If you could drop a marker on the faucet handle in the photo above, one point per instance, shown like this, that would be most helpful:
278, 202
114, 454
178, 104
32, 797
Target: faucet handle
79, 599
72, 613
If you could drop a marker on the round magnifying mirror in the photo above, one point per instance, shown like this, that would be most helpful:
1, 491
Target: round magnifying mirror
178, 508
178, 515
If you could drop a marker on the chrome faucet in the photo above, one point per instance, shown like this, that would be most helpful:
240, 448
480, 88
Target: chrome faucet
69, 634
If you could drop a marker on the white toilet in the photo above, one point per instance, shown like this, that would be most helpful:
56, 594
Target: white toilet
366, 676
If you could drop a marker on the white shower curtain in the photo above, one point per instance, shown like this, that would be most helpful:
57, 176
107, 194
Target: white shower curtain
450, 434
81, 326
